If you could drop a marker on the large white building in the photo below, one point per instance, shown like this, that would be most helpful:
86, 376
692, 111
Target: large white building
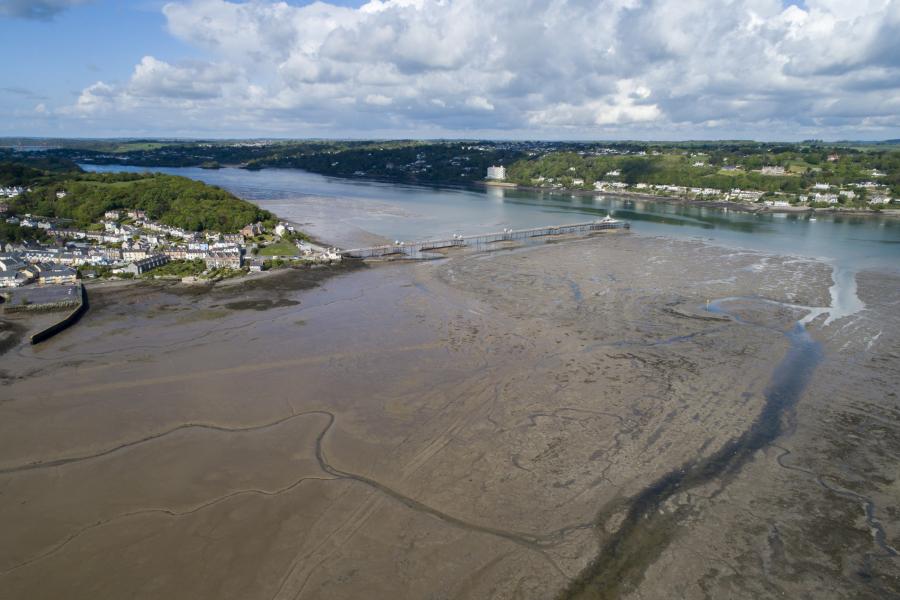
496, 172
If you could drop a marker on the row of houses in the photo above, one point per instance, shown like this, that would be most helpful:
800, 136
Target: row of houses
26, 264
224, 259
736, 194
174, 232
70, 255
216, 255
142, 265
610, 184
12, 191
15, 273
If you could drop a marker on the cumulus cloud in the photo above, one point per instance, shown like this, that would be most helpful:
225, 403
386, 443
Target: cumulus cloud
169, 93
154, 78
42, 10
605, 67
623, 107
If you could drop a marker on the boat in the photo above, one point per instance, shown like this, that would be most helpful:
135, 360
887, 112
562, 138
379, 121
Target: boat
608, 222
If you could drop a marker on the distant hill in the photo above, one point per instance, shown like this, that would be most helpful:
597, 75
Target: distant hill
28, 168
894, 142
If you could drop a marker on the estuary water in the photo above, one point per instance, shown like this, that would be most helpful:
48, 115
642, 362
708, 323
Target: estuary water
352, 213
413, 212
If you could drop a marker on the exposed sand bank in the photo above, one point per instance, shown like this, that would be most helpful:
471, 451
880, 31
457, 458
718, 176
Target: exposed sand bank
474, 427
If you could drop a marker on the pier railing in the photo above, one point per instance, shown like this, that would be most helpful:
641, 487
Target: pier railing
420, 249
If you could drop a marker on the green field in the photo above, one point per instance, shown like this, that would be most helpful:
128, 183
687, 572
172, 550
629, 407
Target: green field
137, 146
283, 248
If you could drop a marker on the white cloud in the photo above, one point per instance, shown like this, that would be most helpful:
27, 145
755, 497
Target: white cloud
378, 100
623, 107
94, 98
607, 67
479, 103
170, 95
154, 78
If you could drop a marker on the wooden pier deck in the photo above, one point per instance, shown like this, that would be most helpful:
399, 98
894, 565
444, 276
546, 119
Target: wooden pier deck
420, 249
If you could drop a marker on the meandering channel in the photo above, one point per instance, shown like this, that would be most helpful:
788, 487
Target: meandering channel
647, 528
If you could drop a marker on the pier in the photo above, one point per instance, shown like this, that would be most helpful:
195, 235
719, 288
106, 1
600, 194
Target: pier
420, 250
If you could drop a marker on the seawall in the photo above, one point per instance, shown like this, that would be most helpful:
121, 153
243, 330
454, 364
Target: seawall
67, 321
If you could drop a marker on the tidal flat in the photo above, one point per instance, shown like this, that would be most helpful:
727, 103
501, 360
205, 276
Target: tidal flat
608, 417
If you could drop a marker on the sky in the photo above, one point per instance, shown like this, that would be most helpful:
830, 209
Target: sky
502, 69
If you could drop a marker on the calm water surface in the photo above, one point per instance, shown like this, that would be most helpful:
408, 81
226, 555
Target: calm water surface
342, 211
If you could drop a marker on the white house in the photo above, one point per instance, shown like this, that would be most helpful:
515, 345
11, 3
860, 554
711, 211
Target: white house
135, 254
826, 198
11, 279
748, 195
496, 173
607, 185
57, 275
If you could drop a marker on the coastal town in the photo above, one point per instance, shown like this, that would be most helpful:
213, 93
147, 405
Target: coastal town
127, 244
819, 195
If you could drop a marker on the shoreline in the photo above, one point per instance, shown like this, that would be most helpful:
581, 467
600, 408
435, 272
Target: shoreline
112, 284
720, 204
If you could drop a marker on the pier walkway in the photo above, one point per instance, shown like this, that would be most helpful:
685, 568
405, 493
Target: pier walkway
420, 250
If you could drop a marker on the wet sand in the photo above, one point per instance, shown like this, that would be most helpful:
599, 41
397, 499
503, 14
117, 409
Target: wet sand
480, 426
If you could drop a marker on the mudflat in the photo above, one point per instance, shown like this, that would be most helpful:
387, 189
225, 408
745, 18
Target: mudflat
611, 417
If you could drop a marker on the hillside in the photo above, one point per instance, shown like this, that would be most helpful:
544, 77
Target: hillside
172, 200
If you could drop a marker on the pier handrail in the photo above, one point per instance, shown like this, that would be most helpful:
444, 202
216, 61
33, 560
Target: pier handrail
416, 247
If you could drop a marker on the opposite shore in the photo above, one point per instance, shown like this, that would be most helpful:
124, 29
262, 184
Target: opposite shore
685, 200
